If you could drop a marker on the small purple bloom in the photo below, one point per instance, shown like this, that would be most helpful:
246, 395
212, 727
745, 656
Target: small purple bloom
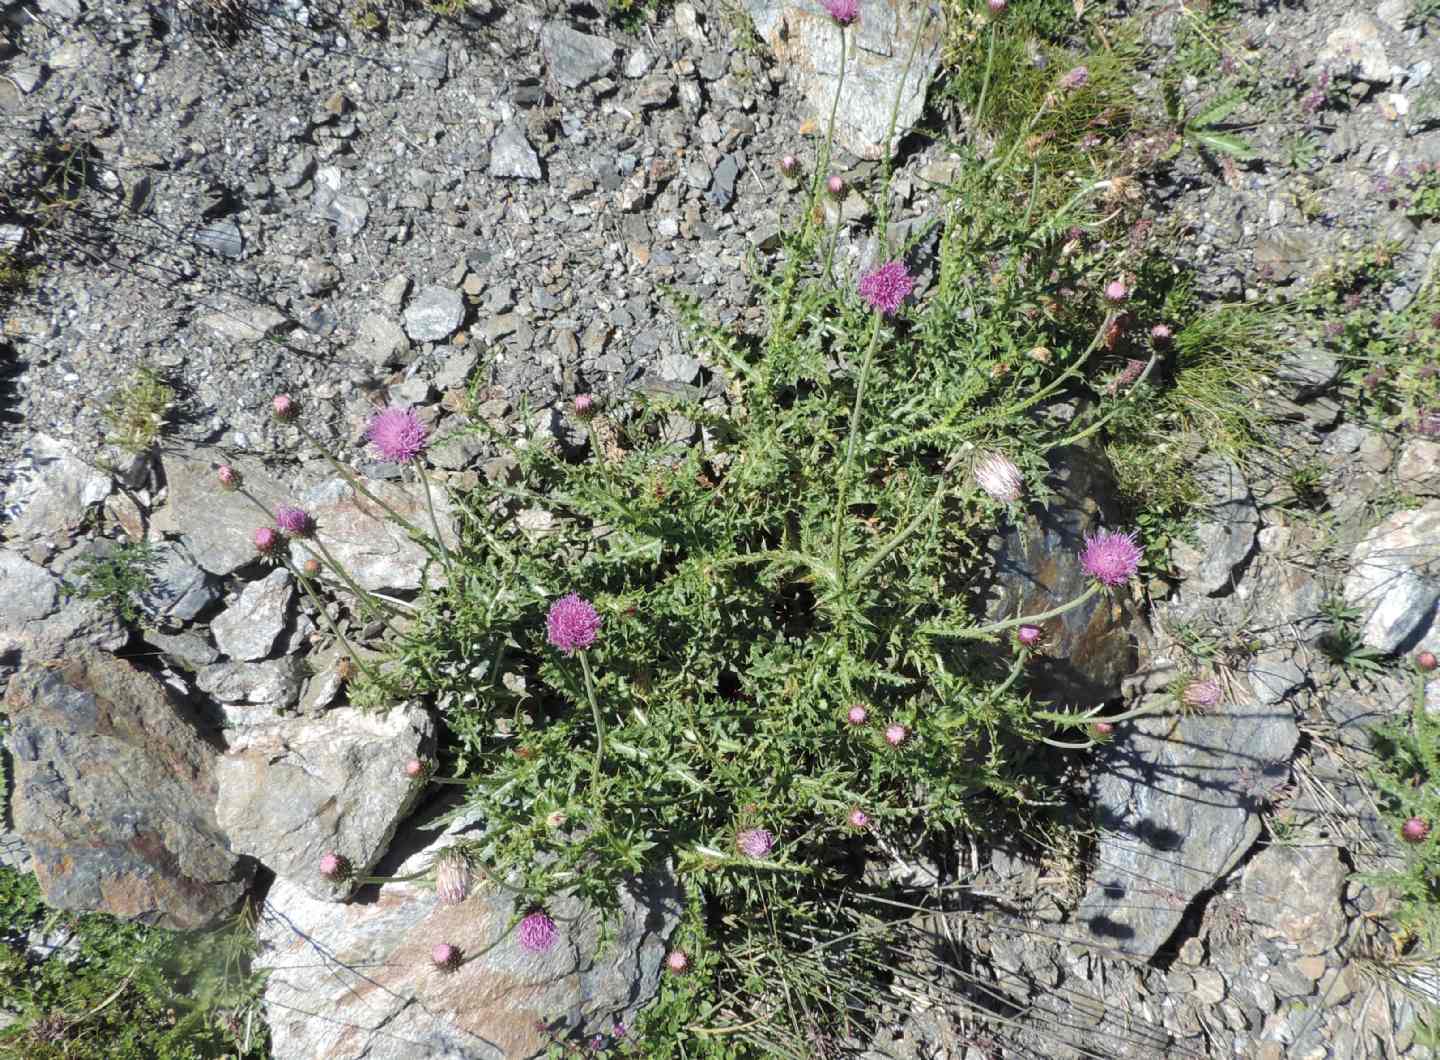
228, 476
334, 866
997, 7
754, 842
397, 435
538, 933
1110, 557
858, 819
294, 521
584, 405
572, 624
285, 407
857, 714
1202, 694
835, 186
445, 956
1075, 78
1161, 333
789, 165
885, 288
677, 962
1116, 292
267, 540
1028, 635
843, 12
896, 734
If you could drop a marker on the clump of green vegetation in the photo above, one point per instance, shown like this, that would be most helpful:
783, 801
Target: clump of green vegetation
122, 991
136, 413
116, 579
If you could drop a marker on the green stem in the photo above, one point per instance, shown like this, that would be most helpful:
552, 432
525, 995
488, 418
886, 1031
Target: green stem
982, 632
599, 731
844, 489
1090, 716
334, 629
825, 165
879, 555
354, 482
435, 523
1080, 436
985, 84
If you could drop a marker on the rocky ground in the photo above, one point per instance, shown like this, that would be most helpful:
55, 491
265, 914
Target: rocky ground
480, 216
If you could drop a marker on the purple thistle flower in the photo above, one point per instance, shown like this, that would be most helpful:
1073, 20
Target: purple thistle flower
789, 165
334, 866
1110, 557
1202, 694
1161, 333
538, 933
445, 956
885, 288
414, 768
285, 407
267, 540
584, 405
896, 734
397, 435
997, 7
1116, 292
1075, 78
677, 962
294, 521
857, 714
572, 624
228, 476
843, 12
754, 842
1028, 635
1415, 830
858, 819
835, 185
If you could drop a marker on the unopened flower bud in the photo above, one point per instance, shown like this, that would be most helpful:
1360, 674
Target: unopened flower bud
789, 165
334, 867
997, 7
285, 407
1415, 830
1425, 660
414, 768
677, 962
452, 876
310, 568
1161, 333
836, 187
228, 476
1102, 729
445, 956
1028, 635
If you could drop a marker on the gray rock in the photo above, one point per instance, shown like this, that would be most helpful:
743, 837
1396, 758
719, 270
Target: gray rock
1394, 578
574, 58
1226, 531
804, 40
722, 183
246, 630
318, 276
433, 64
1292, 893
381, 341
179, 587
223, 238
348, 212
249, 323
434, 314
273, 685
1088, 649
1282, 255
512, 157
456, 447
186, 649
292, 790
114, 795
1354, 46
56, 494
1176, 801
1418, 468
679, 368
30, 592
375, 552
367, 968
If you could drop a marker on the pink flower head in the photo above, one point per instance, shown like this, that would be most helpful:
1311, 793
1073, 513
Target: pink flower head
754, 842
1110, 557
397, 435
538, 932
835, 185
1415, 830
1075, 78
1102, 729
896, 734
1426, 660
843, 12
677, 962
334, 866
452, 876
584, 405
228, 476
1116, 292
310, 568
998, 476
997, 7
267, 540
857, 714
1202, 694
1028, 635
858, 819
789, 165
285, 407
414, 768
445, 956
1161, 333
294, 521
885, 288
572, 624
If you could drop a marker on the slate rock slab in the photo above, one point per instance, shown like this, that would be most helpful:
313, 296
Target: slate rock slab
246, 630
374, 551
1089, 649
804, 38
179, 588
434, 314
573, 58
357, 980
1177, 801
1292, 894
54, 492
114, 794
1394, 578
1226, 531
295, 789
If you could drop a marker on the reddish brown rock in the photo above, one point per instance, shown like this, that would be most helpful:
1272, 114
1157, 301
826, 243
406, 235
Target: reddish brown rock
114, 795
